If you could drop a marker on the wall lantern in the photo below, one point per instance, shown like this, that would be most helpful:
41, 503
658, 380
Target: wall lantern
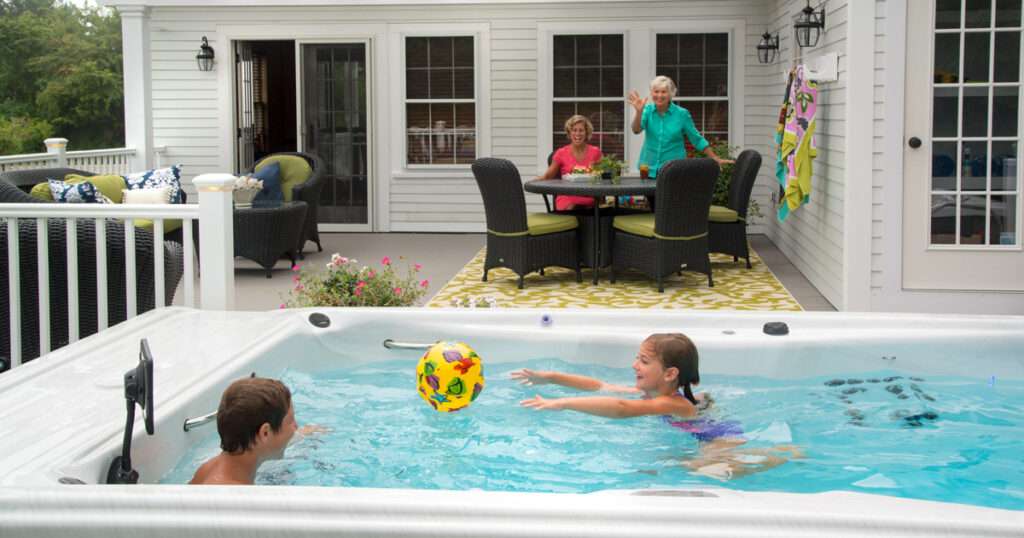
205, 56
767, 48
809, 25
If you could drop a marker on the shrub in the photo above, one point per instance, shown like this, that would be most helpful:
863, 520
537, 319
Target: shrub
341, 283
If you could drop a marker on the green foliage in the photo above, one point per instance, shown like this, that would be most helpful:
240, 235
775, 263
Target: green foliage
23, 135
60, 66
610, 164
721, 196
343, 284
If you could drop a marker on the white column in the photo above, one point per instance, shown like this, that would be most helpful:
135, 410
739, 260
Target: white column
58, 147
138, 83
216, 242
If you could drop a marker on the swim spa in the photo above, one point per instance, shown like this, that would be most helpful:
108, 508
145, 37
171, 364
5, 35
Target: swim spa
66, 416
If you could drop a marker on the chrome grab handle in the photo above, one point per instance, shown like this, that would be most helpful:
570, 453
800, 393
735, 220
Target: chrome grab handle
199, 421
390, 344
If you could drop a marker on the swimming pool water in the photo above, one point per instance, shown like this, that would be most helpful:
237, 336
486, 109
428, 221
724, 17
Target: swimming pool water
941, 438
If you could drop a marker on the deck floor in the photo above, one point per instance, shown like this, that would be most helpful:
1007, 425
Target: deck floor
442, 255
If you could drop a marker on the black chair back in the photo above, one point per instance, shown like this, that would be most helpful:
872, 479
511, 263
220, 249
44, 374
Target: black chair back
748, 163
501, 187
26, 179
684, 191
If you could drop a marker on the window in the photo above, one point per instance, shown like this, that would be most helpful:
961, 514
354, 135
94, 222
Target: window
588, 80
699, 65
440, 100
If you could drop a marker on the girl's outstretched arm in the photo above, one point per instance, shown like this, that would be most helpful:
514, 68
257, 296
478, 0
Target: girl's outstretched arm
579, 382
612, 407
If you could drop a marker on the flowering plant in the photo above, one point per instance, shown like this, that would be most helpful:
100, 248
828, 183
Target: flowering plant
343, 284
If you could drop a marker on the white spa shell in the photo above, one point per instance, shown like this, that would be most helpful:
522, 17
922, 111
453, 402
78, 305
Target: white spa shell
64, 417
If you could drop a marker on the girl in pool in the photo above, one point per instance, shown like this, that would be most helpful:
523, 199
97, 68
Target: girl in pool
665, 365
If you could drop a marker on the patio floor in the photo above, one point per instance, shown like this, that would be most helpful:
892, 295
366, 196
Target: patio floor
442, 256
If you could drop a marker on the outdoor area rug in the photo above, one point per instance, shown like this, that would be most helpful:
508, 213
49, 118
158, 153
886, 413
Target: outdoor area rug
736, 288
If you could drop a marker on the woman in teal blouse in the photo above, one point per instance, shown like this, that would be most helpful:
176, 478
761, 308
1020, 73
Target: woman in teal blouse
665, 123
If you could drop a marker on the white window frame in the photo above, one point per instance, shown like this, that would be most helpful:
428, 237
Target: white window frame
639, 40
480, 32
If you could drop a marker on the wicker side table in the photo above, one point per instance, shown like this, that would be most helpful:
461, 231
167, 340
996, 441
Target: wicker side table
266, 230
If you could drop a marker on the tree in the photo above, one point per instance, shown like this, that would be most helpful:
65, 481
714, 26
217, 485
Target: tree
60, 75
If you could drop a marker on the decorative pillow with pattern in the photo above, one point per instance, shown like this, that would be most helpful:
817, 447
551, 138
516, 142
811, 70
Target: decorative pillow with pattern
76, 193
153, 179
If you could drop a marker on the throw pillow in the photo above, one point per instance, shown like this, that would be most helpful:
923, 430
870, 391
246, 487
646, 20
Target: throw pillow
270, 176
110, 184
294, 171
150, 179
161, 195
83, 192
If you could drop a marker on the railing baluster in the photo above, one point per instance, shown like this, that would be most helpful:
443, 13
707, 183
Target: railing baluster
101, 274
158, 263
188, 246
73, 330
14, 289
131, 292
43, 274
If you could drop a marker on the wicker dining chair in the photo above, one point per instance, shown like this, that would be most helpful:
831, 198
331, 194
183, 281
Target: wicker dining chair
727, 226
676, 233
520, 242
307, 191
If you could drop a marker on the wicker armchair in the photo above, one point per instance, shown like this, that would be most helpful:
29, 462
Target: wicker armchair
264, 232
677, 232
727, 226
87, 282
308, 191
520, 242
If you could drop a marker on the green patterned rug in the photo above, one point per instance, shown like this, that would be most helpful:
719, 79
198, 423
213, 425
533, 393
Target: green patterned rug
736, 288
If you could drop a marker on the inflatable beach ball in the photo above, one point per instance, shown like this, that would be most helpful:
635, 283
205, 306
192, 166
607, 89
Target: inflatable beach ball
449, 376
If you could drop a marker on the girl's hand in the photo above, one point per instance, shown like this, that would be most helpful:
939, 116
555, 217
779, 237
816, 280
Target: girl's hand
530, 377
538, 403
634, 99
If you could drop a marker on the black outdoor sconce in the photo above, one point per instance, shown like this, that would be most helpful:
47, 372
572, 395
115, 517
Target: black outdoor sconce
809, 25
205, 56
767, 48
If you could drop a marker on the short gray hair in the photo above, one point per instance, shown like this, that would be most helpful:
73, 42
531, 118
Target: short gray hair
661, 81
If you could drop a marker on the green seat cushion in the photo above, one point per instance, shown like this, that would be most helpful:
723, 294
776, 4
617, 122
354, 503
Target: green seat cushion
294, 171
641, 224
549, 223
722, 214
169, 224
109, 185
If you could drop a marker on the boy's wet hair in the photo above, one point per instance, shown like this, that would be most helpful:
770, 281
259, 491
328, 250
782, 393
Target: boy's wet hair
676, 350
245, 406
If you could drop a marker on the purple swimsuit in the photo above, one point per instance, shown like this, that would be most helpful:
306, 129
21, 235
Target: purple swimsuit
706, 429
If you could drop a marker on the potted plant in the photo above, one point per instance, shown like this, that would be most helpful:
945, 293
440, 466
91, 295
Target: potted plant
610, 166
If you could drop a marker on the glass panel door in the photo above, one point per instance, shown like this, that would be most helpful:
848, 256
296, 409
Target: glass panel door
335, 128
962, 198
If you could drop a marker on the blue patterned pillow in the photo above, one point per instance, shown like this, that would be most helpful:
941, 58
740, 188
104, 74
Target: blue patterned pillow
76, 193
271, 178
154, 179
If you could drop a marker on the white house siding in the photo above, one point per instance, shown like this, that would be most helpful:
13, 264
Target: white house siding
189, 106
812, 235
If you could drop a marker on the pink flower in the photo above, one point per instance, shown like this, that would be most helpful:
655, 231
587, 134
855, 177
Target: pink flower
295, 278
386, 261
359, 291
295, 267
424, 284
298, 288
371, 274
282, 306
398, 291
361, 284
416, 267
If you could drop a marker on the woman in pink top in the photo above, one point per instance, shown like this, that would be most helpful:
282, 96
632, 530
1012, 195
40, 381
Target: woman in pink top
578, 154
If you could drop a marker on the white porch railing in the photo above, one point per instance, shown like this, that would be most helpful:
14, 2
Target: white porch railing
97, 161
216, 285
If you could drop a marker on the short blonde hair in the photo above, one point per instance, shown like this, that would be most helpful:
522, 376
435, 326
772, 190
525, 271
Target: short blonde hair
661, 81
578, 118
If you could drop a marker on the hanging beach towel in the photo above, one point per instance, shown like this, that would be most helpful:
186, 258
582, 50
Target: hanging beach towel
795, 140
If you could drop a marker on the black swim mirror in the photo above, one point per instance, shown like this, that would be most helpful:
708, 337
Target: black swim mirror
138, 389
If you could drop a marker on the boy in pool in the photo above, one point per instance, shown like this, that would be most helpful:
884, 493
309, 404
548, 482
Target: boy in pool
256, 421
665, 364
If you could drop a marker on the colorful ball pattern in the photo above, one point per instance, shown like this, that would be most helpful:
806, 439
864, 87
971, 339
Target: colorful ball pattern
450, 375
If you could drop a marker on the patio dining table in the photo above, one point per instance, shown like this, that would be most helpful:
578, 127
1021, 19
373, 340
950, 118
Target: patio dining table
630, 186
